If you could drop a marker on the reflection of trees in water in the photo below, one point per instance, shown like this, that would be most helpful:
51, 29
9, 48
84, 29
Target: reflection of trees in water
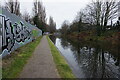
94, 61
53, 38
94, 58
64, 43
118, 55
118, 58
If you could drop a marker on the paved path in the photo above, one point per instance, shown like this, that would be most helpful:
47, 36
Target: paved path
41, 64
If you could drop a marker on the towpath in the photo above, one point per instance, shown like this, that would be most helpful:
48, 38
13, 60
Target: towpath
41, 64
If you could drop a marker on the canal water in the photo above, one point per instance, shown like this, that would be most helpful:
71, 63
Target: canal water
90, 59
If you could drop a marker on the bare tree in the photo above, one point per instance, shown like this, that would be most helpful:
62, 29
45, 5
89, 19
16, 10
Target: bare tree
95, 11
88, 15
39, 10
35, 8
13, 6
101, 12
65, 27
52, 25
26, 16
110, 11
80, 19
39, 17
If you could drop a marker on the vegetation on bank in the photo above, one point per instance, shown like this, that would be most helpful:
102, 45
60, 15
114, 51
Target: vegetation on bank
61, 64
95, 22
13, 64
108, 36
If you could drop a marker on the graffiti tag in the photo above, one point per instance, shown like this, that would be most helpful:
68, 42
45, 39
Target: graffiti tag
13, 33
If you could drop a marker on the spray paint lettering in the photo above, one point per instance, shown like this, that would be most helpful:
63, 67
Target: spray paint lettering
13, 33
22, 32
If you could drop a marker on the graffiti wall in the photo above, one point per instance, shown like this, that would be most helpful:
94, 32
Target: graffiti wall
15, 32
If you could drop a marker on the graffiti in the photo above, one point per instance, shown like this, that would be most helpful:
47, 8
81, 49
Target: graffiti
8, 35
22, 32
13, 33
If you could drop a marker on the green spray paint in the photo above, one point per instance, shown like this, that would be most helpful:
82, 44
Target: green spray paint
0, 11
35, 33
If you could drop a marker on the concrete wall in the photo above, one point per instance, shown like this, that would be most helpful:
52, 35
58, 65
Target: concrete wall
14, 32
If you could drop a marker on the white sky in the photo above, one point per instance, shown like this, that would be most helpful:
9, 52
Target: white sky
60, 10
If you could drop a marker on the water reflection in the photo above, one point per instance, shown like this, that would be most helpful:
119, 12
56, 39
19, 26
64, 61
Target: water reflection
90, 59
53, 38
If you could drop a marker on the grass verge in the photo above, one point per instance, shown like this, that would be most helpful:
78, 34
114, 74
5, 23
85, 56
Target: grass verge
14, 63
61, 64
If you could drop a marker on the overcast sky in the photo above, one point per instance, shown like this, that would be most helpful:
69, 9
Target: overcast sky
60, 10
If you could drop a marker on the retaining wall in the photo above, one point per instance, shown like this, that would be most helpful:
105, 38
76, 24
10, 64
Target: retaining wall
15, 32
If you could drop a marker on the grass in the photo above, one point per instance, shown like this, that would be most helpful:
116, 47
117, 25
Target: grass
14, 63
61, 64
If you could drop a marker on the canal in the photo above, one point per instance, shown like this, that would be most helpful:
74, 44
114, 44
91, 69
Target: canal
90, 59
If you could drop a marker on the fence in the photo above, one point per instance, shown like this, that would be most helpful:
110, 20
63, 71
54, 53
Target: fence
14, 32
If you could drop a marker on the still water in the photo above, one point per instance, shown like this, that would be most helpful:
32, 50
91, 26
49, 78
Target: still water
90, 59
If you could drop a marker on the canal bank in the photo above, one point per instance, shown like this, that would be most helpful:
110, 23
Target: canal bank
61, 64
90, 59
